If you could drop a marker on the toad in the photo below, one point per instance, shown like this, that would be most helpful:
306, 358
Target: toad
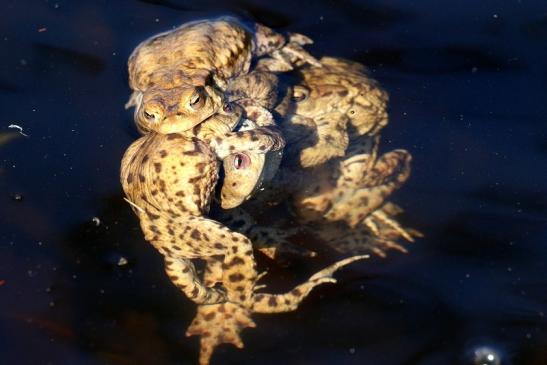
169, 180
179, 77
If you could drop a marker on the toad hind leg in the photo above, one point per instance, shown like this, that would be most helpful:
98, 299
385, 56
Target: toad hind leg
277, 303
388, 174
239, 275
222, 323
382, 217
217, 324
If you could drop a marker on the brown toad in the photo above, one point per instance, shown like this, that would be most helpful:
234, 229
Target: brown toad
178, 77
169, 180
332, 170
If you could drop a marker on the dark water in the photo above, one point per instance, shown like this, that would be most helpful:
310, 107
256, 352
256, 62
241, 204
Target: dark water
468, 87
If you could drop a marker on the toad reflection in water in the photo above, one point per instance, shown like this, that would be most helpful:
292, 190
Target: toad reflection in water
331, 170
190, 105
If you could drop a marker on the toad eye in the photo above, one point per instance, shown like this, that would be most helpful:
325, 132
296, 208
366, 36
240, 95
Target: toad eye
300, 93
241, 161
228, 108
197, 100
149, 116
352, 111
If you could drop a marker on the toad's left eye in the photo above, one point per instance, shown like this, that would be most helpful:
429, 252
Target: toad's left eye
241, 161
197, 100
228, 108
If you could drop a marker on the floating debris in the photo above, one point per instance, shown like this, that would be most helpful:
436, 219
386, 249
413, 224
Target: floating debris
17, 197
96, 220
19, 128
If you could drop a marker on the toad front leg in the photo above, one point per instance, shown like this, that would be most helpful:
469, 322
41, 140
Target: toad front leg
259, 140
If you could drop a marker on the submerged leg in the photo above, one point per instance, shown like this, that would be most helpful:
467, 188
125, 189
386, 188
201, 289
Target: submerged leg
271, 241
355, 205
276, 303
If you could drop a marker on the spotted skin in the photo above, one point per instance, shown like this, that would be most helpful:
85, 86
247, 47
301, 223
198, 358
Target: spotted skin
169, 180
335, 104
178, 77
222, 323
332, 172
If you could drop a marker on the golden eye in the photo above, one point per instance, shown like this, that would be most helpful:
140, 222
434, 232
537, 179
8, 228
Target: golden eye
300, 93
197, 100
352, 112
149, 116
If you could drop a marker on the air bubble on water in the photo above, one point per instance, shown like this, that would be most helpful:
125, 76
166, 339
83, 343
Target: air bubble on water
486, 356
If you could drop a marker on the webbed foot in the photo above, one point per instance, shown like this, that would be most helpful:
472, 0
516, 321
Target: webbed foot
218, 324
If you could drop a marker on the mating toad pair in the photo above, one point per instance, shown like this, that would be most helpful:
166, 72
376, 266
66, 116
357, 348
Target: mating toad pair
210, 92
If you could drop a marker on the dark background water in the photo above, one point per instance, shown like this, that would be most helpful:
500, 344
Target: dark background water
468, 87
